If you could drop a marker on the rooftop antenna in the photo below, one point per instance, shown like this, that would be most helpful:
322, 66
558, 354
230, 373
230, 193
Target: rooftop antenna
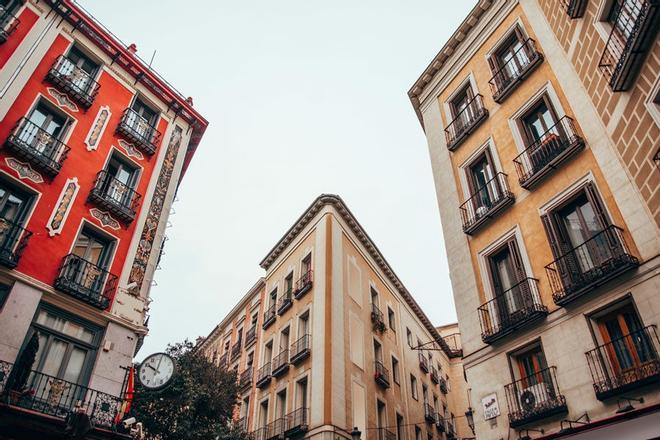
152, 58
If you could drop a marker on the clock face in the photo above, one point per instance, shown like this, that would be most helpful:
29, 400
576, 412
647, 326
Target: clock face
156, 371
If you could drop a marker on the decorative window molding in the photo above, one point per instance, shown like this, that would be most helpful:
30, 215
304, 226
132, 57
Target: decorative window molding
63, 206
104, 217
62, 100
24, 170
130, 149
98, 127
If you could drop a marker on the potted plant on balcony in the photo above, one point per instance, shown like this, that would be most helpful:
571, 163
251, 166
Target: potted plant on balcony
378, 324
17, 381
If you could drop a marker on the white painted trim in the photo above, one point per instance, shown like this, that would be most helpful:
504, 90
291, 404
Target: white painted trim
489, 145
446, 105
509, 31
603, 28
567, 193
652, 107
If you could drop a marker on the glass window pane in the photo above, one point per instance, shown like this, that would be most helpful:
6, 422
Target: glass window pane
74, 366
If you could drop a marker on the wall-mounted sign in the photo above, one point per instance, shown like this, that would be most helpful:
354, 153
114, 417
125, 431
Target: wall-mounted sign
491, 407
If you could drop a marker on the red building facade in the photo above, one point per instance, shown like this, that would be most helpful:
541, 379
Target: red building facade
94, 144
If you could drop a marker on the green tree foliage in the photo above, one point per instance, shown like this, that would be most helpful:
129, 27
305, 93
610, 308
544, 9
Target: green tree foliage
198, 403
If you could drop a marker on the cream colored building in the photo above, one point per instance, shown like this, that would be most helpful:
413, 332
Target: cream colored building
542, 124
335, 345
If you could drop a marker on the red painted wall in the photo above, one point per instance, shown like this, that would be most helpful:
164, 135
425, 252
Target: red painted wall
43, 254
27, 19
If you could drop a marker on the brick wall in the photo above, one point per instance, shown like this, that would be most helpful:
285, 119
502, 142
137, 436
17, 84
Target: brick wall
633, 130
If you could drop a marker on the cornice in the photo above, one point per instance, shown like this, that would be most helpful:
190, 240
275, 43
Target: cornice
342, 209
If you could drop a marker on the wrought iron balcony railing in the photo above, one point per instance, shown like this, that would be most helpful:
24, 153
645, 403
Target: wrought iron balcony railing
275, 429
435, 378
574, 8
385, 434
465, 122
296, 422
8, 24
545, 154
13, 240
443, 385
534, 397
285, 302
304, 284
598, 260
258, 434
485, 203
451, 429
623, 364
281, 363
73, 81
86, 281
263, 375
269, 316
381, 374
440, 423
223, 361
115, 196
511, 74
251, 335
377, 319
301, 349
423, 362
41, 149
512, 309
138, 130
55, 397
245, 380
633, 34
429, 413
236, 350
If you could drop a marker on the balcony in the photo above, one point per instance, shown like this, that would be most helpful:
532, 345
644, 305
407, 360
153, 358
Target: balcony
435, 378
296, 422
241, 424
513, 72
544, 155
443, 385
385, 434
624, 364
632, 35
465, 122
13, 240
440, 423
251, 336
8, 24
304, 284
423, 362
236, 350
429, 413
281, 363
381, 375
136, 129
223, 361
55, 398
513, 309
86, 281
485, 203
245, 380
73, 81
534, 398
263, 376
275, 429
598, 260
377, 319
451, 430
115, 196
269, 316
43, 151
285, 302
301, 349
574, 8
258, 434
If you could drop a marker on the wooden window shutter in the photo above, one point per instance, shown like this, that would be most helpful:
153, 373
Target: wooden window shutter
597, 205
552, 233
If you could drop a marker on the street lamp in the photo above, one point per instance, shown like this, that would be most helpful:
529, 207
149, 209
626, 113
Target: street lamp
469, 417
356, 434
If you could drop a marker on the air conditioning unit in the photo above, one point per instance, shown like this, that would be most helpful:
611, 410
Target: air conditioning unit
531, 396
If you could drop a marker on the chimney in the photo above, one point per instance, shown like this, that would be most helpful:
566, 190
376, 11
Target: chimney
132, 48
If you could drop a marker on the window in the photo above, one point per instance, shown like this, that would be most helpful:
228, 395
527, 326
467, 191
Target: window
123, 175
306, 264
381, 414
390, 319
378, 352
507, 272
239, 335
374, 297
144, 111
511, 56
50, 121
86, 268
280, 409
284, 339
301, 393
255, 318
413, 387
303, 324
10, 6
530, 365
425, 394
67, 346
83, 62
14, 206
395, 370
4, 294
263, 413
418, 433
245, 407
268, 352
409, 337
538, 122
622, 17
227, 343
399, 427
288, 284
80, 70
460, 106
273, 297
480, 172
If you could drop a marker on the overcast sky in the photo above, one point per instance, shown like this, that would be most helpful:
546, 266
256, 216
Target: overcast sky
303, 97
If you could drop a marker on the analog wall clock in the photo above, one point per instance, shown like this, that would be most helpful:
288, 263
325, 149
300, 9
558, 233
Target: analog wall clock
156, 371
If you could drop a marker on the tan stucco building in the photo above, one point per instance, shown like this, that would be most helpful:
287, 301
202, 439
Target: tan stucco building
329, 339
542, 122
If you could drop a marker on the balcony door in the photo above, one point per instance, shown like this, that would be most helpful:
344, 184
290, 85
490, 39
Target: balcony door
88, 270
627, 345
483, 186
508, 275
145, 120
511, 57
83, 69
121, 179
47, 125
14, 205
463, 112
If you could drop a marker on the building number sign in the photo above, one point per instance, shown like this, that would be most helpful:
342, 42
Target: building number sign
491, 407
